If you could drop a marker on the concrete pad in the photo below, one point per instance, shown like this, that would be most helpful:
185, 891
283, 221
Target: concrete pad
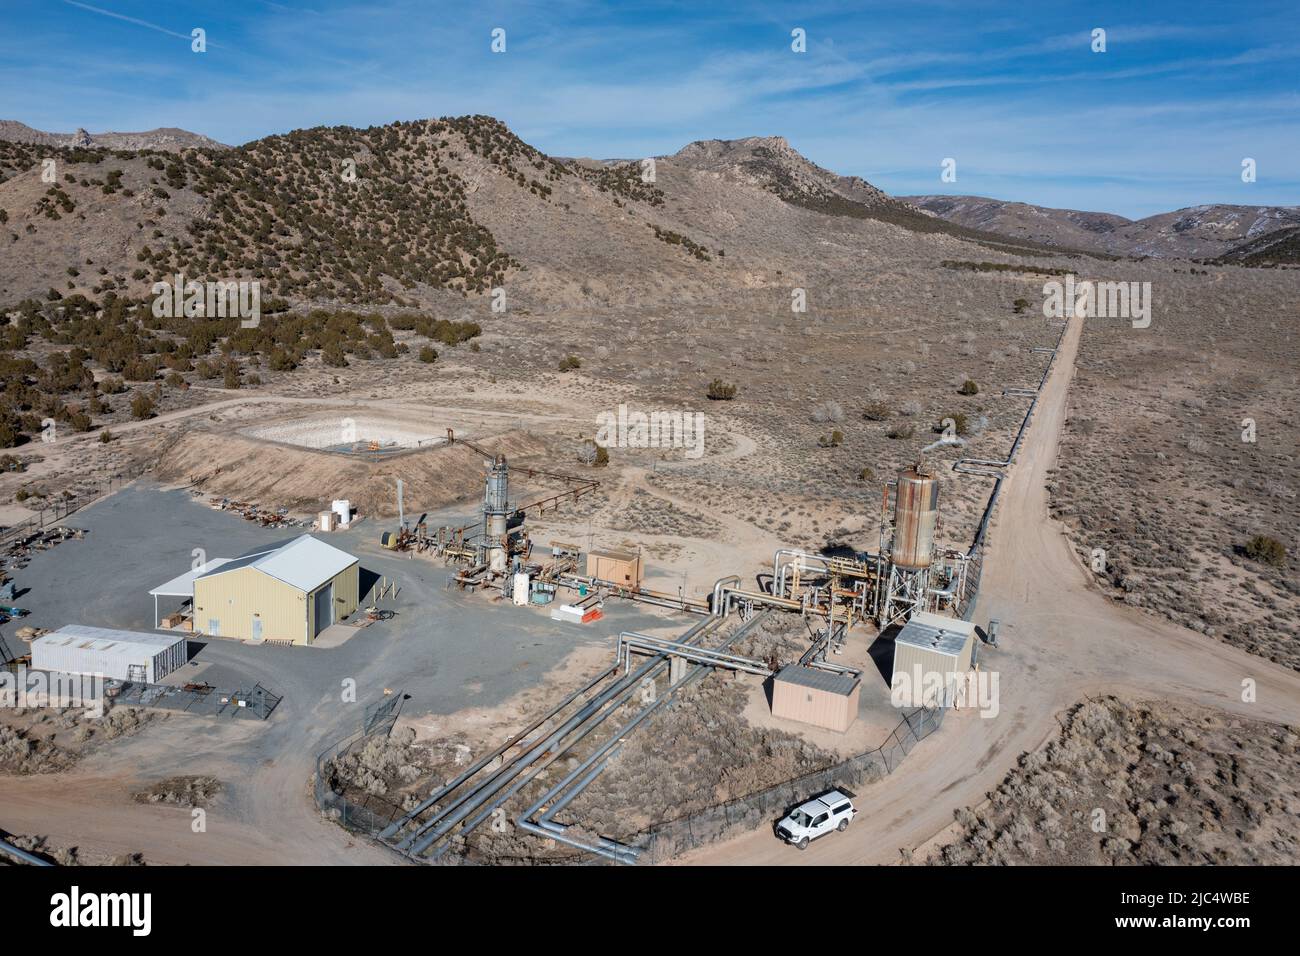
336, 635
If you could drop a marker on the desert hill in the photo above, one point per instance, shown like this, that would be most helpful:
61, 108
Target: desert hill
1198, 232
410, 212
169, 138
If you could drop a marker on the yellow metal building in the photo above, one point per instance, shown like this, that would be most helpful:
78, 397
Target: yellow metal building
291, 593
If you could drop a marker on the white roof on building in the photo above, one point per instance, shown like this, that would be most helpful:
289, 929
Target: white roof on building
183, 584
935, 632
107, 640
304, 563
832, 798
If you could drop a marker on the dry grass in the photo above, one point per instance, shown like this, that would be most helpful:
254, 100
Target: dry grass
52, 739
1142, 783
185, 791
1154, 470
694, 755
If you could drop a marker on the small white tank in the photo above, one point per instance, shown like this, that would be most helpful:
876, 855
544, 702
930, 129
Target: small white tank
343, 508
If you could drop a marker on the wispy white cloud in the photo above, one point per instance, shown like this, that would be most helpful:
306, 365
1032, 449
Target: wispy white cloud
135, 20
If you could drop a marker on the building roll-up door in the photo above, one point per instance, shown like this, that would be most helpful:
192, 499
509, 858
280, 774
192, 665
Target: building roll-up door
324, 607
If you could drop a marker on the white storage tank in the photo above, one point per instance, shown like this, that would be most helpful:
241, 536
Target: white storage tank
343, 508
521, 587
118, 655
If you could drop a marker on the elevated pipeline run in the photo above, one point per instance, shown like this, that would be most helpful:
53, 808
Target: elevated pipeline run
995, 468
454, 810
542, 823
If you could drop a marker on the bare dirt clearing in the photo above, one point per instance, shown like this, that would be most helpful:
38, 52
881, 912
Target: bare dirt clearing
304, 480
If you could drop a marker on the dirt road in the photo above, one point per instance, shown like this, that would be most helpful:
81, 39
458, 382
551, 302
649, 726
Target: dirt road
93, 810
1061, 640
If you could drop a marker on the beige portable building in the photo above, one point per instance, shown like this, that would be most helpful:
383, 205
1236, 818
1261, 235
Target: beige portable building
291, 593
932, 654
817, 697
620, 567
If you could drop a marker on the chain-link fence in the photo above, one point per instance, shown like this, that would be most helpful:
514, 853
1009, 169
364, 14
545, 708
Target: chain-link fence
56, 509
350, 807
201, 699
971, 583
381, 715
368, 813
667, 840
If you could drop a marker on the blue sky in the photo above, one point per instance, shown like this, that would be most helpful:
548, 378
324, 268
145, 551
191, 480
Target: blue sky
1012, 91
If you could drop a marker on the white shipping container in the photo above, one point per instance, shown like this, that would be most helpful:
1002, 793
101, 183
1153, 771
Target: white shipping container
118, 655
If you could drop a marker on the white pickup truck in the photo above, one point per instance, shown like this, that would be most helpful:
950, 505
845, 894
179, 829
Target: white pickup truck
831, 811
